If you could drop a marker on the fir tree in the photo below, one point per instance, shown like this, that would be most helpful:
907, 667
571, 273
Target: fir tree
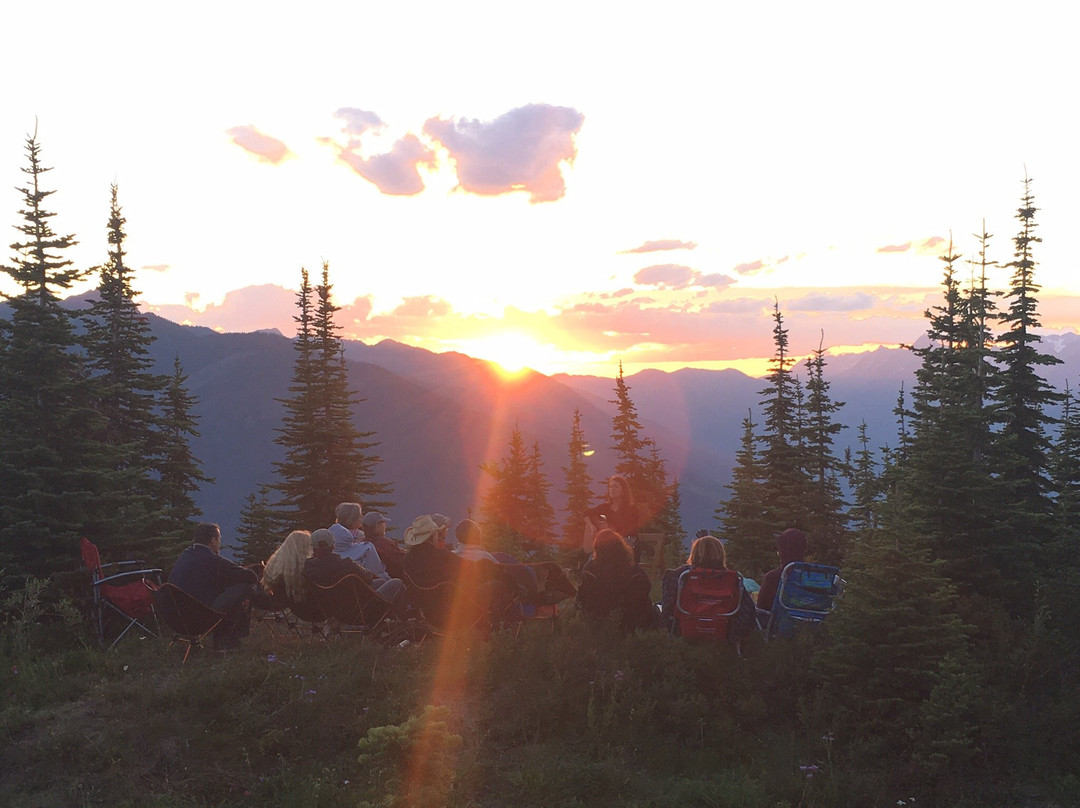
743, 515
1065, 468
51, 472
327, 459
117, 342
257, 535
179, 472
540, 516
636, 457
577, 484
1021, 399
509, 500
865, 487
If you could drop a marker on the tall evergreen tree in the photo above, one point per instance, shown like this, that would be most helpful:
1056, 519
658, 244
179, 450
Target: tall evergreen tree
179, 472
865, 487
743, 515
327, 459
786, 483
509, 500
1021, 399
825, 518
1065, 468
577, 484
636, 457
258, 534
117, 341
540, 516
51, 471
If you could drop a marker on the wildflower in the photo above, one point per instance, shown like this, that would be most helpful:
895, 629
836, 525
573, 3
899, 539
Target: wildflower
809, 771
271, 657
618, 676
125, 668
828, 737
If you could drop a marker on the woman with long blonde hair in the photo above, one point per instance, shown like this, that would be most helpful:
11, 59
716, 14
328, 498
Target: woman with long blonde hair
285, 568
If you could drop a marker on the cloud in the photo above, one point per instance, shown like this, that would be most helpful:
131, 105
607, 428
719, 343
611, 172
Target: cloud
426, 306
827, 301
663, 244
752, 268
358, 121
739, 305
521, 150
715, 280
934, 245
267, 149
156, 267
673, 276
396, 172
895, 248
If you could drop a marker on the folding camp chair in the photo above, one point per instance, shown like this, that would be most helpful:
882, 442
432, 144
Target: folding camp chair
121, 602
351, 603
446, 608
552, 588
706, 603
805, 596
190, 619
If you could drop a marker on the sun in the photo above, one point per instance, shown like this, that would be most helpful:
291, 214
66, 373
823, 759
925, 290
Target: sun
514, 352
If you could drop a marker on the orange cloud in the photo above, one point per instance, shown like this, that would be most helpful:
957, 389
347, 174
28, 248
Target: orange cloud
265, 148
662, 244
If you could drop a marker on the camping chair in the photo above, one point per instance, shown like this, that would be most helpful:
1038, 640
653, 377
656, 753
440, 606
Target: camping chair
805, 596
706, 602
119, 595
351, 602
445, 608
309, 612
190, 619
552, 588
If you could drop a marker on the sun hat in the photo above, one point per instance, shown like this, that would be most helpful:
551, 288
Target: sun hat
421, 530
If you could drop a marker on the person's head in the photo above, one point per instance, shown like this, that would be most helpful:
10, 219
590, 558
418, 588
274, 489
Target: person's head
611, 550
618, 491
286, 566
791, 546
467, 532
209, 534
423, 530
322, 543
348, 514
707, 551
700, 533
374, 524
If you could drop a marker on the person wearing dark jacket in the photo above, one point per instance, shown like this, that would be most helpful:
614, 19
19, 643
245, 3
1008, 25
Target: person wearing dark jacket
218, 583
611, 581
707, 552
790, 546
326, 568
429, 565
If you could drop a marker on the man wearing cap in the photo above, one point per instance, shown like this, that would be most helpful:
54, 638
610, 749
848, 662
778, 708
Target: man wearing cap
217, 582
326, 568
351, 543
392, 556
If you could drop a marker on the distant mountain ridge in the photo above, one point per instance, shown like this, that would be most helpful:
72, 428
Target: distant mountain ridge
437, 417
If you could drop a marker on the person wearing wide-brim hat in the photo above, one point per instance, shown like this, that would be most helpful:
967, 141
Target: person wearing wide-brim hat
478, 590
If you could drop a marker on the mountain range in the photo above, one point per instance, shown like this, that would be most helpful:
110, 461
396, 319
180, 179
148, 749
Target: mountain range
438, 417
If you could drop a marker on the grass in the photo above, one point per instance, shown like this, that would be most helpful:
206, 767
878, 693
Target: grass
579, 717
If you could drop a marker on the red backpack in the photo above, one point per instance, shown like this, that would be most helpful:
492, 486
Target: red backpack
707, 602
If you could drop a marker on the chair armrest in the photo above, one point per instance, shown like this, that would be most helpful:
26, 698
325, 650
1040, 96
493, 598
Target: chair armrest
129, 575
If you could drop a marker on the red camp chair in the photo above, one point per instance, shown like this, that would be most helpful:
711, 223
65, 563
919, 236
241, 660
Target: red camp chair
706, 602
121, 602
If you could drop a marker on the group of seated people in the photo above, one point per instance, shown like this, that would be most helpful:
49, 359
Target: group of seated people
466, 584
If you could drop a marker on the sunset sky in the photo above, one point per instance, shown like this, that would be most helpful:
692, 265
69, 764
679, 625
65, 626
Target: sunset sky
564, 185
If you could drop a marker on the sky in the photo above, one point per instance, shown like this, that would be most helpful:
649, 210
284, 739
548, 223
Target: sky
559, 185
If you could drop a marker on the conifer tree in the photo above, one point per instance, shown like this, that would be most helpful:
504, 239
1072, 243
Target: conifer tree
1021, 399
259, 532
825, 519
51, 471
637, 458
865, 487
786, 483
540, 516
327, 459
743, 515
509, 500
1065, 468
577, 484
179, 471
117, 342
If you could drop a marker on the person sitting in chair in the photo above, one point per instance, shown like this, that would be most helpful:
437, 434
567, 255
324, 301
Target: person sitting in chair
326, 568
218, 583
283, 574
393, 557
351, 543
790, 546
429, 564
611, 581
706, 552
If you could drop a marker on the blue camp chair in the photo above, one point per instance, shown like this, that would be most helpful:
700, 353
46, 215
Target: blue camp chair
806, 594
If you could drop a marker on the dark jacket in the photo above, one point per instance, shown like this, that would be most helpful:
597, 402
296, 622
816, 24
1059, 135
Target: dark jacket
791, 545
328, 569
392, 555
428, 565
604, 589
205, 575
626, 521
